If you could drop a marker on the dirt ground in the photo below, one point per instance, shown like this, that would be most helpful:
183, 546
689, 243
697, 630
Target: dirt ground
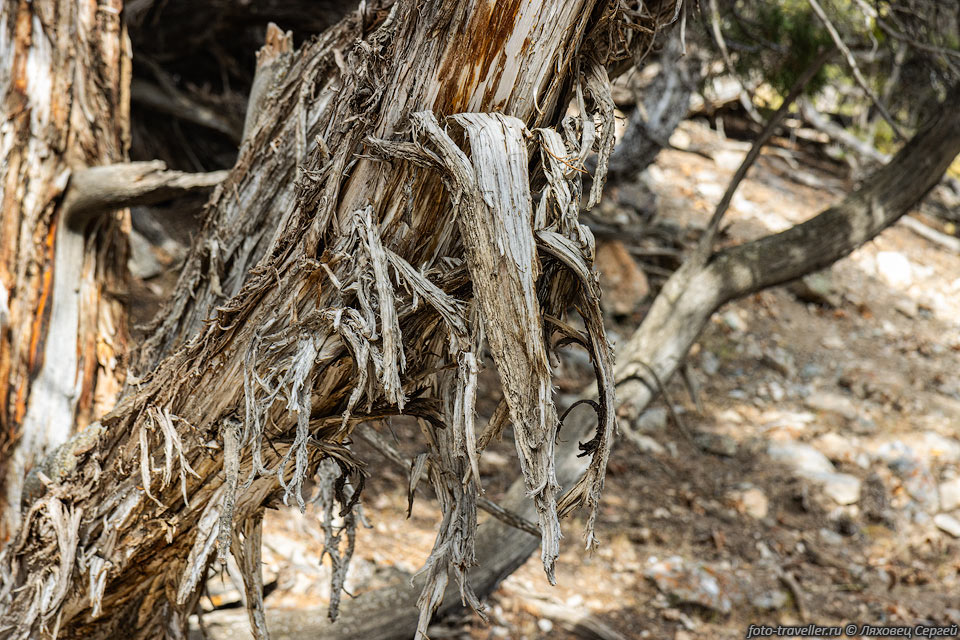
817, 482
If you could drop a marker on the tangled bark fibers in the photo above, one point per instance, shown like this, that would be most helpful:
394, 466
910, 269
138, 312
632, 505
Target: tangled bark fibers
401, 200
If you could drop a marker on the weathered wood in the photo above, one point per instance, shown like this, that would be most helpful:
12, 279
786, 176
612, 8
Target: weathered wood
656, 349
64, 91
96, 191
289, 320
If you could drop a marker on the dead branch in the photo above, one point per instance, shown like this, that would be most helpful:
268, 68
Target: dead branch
746, 95
173, 102
117, 186
948, 242
818, 121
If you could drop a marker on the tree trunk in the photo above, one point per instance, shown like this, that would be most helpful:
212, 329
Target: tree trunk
63, 338
352, 263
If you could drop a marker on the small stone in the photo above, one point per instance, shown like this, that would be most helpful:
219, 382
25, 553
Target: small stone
689, 582
933, 445
492, 462
950, 494
771, 600
777, 392
895, 268
716, 443
816, 288
733, 320
830, 537
811, 371
907, 307
710, 190
832, 342
624, 284
727, 159
947, 523
752, 502
863, 426
652, 420
545, 625
142, 263
830, 402
836, 447
843, 488
709, 363
802, 458
918, 481
780, 361
646, 444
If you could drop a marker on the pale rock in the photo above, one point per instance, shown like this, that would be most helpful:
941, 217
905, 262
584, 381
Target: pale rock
777, 392
693, 582
710, 190
830, 537
752, 502
771, 601
646, 444
142, 263
832, 342
934, 446
894, 268
652, 420
733, 320
947, 523
727, 159
829, 402
716, 443
842, 488
816, 288
709, 363
950, 494
801, 458
907, 307
624, 284
836, 447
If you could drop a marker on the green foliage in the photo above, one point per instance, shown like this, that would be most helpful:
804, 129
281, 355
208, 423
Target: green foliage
794, 34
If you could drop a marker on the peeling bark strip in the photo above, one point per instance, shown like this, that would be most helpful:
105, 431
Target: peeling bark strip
64, 87
329, 286
494, 215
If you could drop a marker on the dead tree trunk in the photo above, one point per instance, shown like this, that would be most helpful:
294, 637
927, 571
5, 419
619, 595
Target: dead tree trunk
63, 338
378, 225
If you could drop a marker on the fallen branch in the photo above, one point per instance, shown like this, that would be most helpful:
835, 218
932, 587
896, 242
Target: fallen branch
746, 95
579, 622
818, 121
176, 104
948, 242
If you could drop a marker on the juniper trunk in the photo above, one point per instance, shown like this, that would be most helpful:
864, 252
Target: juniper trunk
406, 192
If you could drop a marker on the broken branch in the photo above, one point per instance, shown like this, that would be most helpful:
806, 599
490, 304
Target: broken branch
115, 186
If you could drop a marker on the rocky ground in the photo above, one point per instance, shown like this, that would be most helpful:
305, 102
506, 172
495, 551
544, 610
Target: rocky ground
817, 481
